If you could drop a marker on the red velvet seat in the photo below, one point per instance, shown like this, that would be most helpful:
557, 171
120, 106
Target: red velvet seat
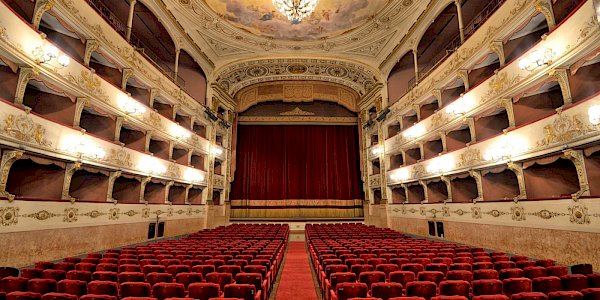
150, 262
545, 263
415, 268
525, 263
460, 275
357, 269
371, 277
433, 276
402, 277
175, 269
534, 272
487, 287
425, 289
529, 296
340, 277
57, 275
82, 266
170, 262
574, 282
511, 273
186, 278
437, 267
32, 273
44, 265
349, 290
80, 275
90, 260
215, 262
154, 278
517, 258
204, 290
565, 295
65, 266
19, 295
386, 290
485, 274
97, 297
129, 268
376, 261
442, 260
256, 269
557, 271
546, 284
231, 269
147, 269
107, 267
41, 285
241, 291
421, 260
105, 276
192, 262
13, 284
255, 279
131, 277
407, 298
442, 297
73, 287
203, 269
501, 265
58, 296
387, 268
455, 288
482, 266
593, 280
516, 285
135, 289
8, 271
591, 294
103, 288
461, 266
584, 269
163, 290
222, 279
490, 297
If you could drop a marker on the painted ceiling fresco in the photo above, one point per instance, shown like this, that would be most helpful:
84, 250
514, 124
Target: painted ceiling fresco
331, 17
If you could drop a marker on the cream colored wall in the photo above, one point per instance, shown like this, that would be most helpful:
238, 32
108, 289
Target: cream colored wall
24, 248
566, 247
375, 215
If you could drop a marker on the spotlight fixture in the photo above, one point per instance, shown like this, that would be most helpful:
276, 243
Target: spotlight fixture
46, 54
295, 10
537, 59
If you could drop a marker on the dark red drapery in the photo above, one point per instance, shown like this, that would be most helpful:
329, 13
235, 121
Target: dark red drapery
297, 162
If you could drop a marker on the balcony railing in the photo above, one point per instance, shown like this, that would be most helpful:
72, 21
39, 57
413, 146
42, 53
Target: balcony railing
455, 43
135, 41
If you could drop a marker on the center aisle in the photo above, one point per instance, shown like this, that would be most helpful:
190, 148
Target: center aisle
296, 279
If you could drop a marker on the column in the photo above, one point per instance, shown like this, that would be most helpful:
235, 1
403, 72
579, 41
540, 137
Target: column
130, 19
415, 54
176, 69
461, 27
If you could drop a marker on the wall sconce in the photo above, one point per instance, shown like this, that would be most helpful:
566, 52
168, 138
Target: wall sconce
594, 114
83, 148
131, 106
440, 165
180, 132
377, 150
193, 176
537, 59
415, 131
45, 54
152, 165
461, 106
216, 151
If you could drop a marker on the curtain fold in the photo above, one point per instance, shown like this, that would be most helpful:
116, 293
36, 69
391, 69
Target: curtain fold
297, 162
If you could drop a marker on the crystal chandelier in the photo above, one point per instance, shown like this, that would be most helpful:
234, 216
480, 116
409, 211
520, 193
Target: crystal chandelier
295, 10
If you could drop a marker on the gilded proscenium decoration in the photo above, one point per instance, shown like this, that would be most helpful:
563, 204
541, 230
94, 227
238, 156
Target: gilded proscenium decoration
297, 112
236, 77
563, 129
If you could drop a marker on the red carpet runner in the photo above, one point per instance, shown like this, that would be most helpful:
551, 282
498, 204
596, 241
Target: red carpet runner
296, 279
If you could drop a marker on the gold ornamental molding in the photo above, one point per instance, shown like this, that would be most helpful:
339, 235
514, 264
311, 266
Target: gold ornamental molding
298, 120
296, 91
237, 76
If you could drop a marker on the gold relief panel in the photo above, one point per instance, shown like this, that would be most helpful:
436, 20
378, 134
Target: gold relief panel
296, 93
23, 128
470, 157
563, 129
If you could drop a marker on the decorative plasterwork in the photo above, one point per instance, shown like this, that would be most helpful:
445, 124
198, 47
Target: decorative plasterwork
297, 112
298, 120
237, 76
296, 91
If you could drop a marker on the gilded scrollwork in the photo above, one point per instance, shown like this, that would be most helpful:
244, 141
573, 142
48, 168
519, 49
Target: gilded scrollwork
563, 129
24, 129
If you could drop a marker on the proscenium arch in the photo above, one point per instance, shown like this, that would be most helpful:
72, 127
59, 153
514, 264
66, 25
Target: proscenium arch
296, 91
235, 76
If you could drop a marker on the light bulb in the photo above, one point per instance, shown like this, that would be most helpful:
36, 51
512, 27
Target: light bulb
50, 52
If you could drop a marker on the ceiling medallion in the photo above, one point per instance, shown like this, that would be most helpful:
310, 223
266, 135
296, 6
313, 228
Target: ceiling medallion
295, 10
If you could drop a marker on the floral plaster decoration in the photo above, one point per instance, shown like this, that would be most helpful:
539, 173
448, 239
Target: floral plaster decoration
9, 216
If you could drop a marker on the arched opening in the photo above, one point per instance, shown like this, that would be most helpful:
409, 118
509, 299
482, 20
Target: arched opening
193, 76
216, 197
398, 195
159, 148
63, 37
550, 177
183, 120
433, 148
197, 161
377, 196
98, 123
428, 108
499, 184
584, 81
592, 167
133, 137
10, 79
153, 40
524, 38
155, 191
416, 193
164, 107
375, 167
180, 155
393, 129
484, 69
401, 74
412, 156
126, 189
491, 123
541, 102
35, 177
409, 119
218, 167
49, 103
464, 188
452, 91
195, 195
138, 91
396, 161
177, 194
437, 191
89, 184
458, 138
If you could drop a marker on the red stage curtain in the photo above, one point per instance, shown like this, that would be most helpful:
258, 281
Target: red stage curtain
297, 162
